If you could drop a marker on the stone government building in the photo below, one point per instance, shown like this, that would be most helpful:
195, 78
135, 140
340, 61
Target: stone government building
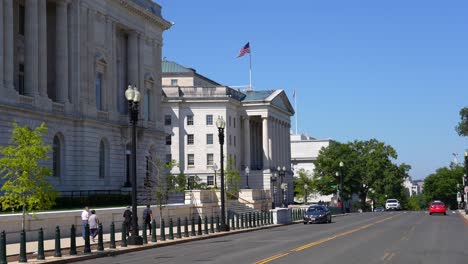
67, 63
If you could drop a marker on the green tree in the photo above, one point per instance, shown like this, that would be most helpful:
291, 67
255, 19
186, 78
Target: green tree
303, 185
232, 179
442, 185
160, 182
25, 184
462, 127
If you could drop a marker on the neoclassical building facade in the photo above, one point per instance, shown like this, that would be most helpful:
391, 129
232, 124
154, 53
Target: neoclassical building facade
67, 63
256, 133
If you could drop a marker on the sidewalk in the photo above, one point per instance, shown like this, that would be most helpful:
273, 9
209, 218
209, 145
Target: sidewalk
462, 213
49, 245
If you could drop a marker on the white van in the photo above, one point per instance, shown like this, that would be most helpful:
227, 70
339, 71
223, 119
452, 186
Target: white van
392, 204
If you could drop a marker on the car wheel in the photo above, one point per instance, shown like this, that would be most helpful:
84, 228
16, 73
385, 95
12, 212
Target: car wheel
445, 213
305, 223
329, 220
430, 213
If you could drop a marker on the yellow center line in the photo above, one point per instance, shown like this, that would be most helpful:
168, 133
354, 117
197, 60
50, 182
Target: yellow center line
323, 240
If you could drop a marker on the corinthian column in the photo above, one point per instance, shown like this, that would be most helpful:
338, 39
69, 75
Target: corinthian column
31, 48
266, 148
61, 45
247, 142
8, 44
43, 48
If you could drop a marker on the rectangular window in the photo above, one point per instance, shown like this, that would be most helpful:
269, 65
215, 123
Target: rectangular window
230, 140
190, 120
21, 79
234, 122
167, 120
209, 120
234, 141
168, 158
229, 121
209, 139
21, 20
98, 86
190, 139
169, 140
191, 159
174, 82
147, 105
210, 180
209, 159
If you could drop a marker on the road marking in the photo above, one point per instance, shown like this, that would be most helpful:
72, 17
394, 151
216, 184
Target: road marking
263, 261
323, 240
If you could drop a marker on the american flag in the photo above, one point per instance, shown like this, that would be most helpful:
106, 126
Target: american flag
244, 50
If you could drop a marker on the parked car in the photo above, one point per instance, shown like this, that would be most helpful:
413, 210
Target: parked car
317, 214
437, 207
379, 209
392, 204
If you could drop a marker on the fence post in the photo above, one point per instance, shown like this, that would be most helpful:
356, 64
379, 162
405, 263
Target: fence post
233, 225
72, 241
217, 224
259, 219
112, 235
3, 259
145, 236
179, 233
171, 229
22, 257
192, 232
237, 221
242, 221
153, 231
100, 238
163, 230
250, 220
199, 226
271, 217
58, 249
254, 220
211, 224
205, 231
123, 242
186, 227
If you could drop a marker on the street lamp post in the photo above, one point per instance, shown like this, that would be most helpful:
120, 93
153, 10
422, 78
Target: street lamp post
306, 186
281, 174
273, 191
220, 124
247, 171
133, 97
466, 182
341, 187
215, 168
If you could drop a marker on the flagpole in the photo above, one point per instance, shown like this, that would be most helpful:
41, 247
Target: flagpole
250, 68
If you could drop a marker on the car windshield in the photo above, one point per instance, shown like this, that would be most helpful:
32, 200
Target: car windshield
438, 203
392, 201
315, 209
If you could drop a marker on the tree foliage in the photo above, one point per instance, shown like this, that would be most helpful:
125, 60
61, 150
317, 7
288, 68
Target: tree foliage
442, 185
367, 165
462, 127
232, 178
25, 184
303, 185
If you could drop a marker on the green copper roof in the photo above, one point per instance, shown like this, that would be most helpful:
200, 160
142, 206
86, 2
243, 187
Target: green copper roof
257, 95
172, 67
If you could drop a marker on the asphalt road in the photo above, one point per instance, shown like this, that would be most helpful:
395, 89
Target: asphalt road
388, 237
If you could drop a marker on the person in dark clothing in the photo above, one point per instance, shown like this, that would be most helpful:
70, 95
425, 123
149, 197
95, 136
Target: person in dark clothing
147, 217
127, 219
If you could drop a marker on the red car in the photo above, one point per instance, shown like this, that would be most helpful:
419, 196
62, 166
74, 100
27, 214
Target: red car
437, 207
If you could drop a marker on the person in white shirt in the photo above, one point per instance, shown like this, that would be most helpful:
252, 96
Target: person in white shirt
84, 220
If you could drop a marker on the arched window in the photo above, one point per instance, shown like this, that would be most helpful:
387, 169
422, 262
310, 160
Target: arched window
102, 159
56, 157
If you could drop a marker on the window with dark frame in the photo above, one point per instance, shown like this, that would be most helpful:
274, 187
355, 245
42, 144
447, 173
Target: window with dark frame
210, 180
209, 159
168, 158
190, 139
167, 120
209, 120
169, 140
56, 157
209, 139
191, 159
190, 120
174, 82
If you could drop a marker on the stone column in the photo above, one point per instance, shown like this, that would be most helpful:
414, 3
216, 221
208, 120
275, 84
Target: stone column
110, 92
247, 142
9, 62
31, 49
266, 145
132, 58
42, 48
61, 46
274, 143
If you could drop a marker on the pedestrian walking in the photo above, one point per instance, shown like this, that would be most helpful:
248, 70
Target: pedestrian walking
127, 219
84, 220
147, 217
93, 224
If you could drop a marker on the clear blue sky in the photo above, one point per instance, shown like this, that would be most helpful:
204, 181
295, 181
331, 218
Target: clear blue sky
393, 70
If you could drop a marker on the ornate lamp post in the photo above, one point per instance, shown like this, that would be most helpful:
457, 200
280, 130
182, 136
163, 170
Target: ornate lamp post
133, 97
220, 124
281, 174
341, 187
247, 171
215, 168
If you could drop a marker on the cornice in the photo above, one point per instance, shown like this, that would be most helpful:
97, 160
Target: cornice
138, 10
